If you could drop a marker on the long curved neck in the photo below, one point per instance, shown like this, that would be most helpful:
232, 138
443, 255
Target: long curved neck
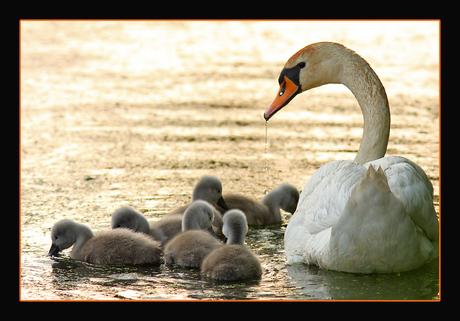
365, 85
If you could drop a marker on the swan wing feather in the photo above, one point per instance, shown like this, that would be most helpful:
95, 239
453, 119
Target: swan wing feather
320, 205
409, 182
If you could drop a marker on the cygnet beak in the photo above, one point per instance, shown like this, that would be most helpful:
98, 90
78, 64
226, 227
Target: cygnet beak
222, 203
54, 250
211, 231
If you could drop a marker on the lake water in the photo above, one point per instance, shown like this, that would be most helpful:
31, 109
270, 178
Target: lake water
117, 113
62, 278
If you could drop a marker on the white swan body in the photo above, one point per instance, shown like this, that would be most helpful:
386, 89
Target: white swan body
340, 227
375, 214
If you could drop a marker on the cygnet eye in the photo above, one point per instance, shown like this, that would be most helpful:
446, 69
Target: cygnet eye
301, 64
56, 237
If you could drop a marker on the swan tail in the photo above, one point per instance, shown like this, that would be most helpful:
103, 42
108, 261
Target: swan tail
376, 177
374, 232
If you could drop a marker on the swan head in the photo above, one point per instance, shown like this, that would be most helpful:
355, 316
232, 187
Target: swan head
209, 189
313, 66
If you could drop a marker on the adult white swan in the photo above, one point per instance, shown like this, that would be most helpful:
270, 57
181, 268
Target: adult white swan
375, 214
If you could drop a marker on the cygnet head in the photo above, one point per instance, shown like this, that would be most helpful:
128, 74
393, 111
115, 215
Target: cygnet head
235, 227
291, 197
285, 196
65, 233
129, 218
209, 189
198, 216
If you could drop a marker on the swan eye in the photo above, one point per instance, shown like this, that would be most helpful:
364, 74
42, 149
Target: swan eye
282, 89
301, 64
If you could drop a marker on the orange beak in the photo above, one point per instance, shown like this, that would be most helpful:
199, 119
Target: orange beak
288, 90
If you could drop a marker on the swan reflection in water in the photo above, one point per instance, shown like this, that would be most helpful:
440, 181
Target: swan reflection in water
419, 284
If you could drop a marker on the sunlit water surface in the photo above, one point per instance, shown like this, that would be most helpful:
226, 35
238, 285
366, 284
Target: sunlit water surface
61, 278
132, 113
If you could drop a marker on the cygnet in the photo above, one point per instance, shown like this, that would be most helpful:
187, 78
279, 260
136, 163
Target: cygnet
127, 217
233, 261
209, 189
189, 248
162, 230
267, 211
120, 246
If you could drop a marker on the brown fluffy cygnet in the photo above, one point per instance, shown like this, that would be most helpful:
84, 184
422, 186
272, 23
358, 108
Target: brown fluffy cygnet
120, 246
233, 261
267, 211
128, 217
189, 248
209, 189
162, 230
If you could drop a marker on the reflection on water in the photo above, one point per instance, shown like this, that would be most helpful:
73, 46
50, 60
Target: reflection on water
63, 278
145, 282
420, 284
